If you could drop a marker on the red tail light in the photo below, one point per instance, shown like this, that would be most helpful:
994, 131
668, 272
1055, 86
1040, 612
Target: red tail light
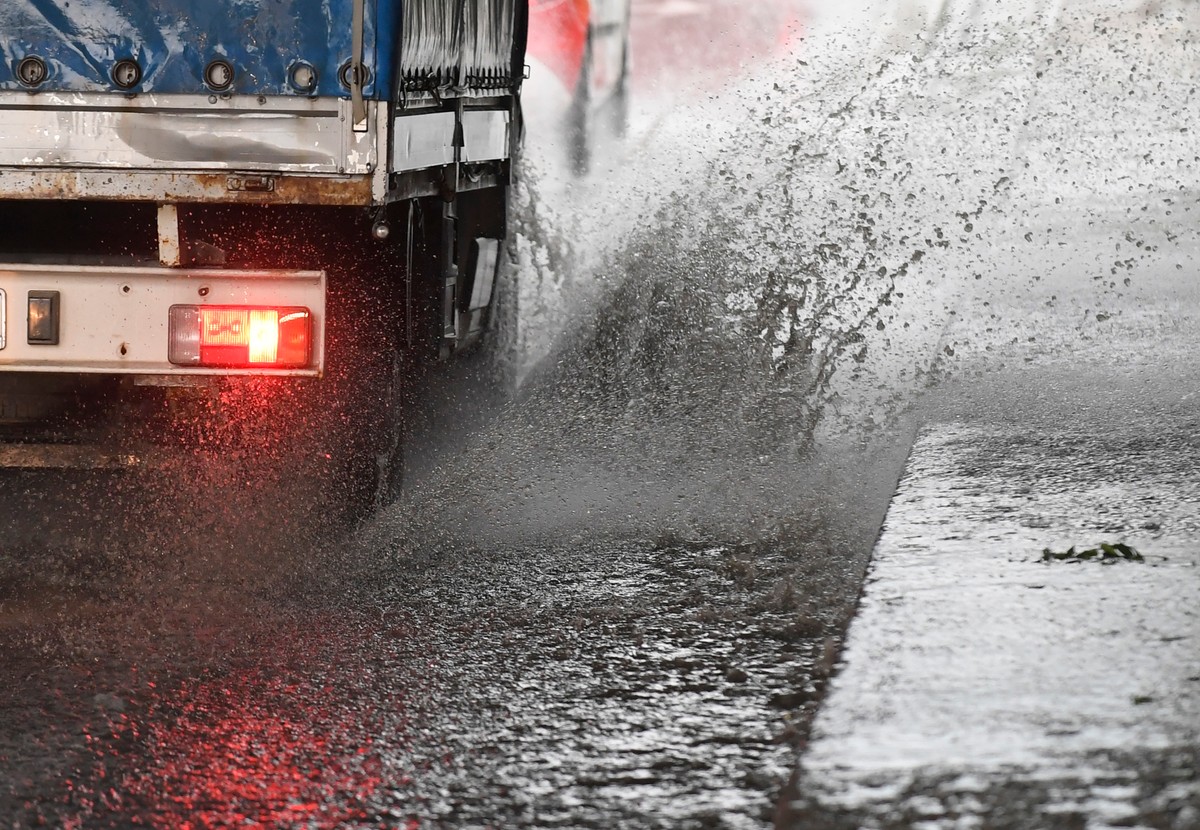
240, 336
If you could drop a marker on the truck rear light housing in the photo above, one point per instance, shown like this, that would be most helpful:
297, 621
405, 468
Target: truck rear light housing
240, 336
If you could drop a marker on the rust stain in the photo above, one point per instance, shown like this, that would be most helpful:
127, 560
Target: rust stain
192, 188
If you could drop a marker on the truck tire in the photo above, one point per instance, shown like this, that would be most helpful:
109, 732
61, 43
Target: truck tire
374, 462
363, 402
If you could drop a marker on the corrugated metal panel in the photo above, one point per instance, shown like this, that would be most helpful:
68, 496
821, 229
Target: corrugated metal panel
173, 40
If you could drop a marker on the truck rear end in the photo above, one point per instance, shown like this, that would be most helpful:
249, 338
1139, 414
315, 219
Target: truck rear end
201, 200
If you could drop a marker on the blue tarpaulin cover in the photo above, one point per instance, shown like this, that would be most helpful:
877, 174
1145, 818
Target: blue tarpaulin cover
441, 43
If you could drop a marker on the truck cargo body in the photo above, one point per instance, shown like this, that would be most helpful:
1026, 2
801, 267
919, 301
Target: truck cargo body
265, 188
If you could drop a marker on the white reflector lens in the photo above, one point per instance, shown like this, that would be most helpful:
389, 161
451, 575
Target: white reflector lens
237, 336
184, 336
264, 336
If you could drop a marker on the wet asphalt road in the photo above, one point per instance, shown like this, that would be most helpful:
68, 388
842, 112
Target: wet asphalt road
567, 632
590, 682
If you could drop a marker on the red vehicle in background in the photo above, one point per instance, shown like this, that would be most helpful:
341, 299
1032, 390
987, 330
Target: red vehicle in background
685, 46
579, 55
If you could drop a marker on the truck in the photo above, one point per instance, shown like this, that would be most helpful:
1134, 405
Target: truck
246, 225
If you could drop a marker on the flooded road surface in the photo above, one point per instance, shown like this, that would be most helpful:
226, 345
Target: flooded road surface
584, 683
616, 599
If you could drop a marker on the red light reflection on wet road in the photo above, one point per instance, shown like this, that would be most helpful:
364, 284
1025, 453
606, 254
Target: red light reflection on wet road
273, 745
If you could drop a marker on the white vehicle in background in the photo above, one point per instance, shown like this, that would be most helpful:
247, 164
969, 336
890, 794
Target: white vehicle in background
578, 89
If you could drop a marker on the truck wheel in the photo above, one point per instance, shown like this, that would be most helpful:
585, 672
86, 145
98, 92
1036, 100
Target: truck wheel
358, 412
376, 405
393, 433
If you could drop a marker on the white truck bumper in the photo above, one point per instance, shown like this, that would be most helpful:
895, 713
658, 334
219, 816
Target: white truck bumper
115, 319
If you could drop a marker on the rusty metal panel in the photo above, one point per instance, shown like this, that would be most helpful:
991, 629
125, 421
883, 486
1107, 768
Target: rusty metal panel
140, 186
